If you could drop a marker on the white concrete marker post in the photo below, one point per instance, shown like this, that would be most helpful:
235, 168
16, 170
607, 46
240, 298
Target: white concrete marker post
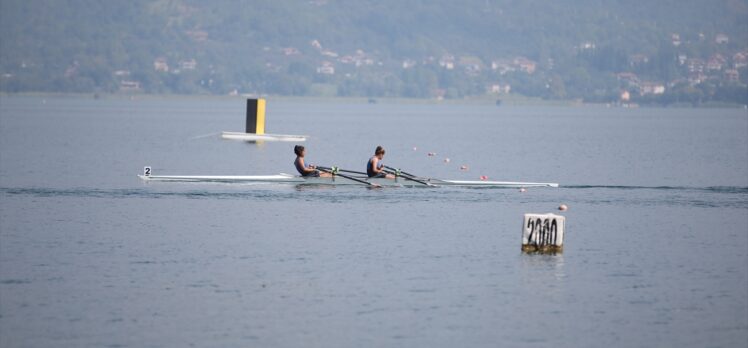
543, 233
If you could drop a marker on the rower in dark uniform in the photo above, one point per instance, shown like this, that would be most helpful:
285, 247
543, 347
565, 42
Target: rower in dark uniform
375, 167
303, 169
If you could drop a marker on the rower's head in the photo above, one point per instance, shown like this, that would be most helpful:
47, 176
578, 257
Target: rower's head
299, 150
379, 152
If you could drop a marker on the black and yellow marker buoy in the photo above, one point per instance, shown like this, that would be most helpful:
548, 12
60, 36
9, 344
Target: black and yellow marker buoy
256, 116
255, 126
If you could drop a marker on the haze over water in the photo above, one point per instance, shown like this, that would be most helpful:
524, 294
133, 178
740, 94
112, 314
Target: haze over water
656, 251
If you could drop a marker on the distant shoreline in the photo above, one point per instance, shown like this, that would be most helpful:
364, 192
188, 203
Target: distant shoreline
514, 100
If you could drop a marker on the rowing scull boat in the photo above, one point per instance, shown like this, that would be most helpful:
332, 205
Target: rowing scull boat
337, 180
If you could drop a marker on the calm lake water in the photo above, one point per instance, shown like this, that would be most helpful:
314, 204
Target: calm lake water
656, 251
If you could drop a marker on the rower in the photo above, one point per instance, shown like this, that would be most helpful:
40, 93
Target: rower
375, 167
302, 168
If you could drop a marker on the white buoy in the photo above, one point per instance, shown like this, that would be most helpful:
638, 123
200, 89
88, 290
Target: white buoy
543, 233
563, 207
446, 160
522, 189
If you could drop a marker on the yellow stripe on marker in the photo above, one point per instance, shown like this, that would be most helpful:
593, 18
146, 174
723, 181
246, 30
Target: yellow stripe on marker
260, 116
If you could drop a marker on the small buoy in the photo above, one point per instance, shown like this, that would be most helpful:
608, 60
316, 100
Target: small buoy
432, 154
483, 177
522, 189
463, 167
446, 160
563, 207
415, 148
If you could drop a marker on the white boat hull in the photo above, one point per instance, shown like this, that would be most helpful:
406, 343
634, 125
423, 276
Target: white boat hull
338, 180
262, 137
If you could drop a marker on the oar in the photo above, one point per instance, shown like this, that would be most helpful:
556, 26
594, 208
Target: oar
327, 170
401, 172
406, 176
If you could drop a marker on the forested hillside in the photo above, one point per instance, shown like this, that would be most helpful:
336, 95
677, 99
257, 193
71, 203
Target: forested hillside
661, 51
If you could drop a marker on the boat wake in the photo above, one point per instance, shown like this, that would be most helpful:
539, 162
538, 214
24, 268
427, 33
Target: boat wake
710, 196
715, 189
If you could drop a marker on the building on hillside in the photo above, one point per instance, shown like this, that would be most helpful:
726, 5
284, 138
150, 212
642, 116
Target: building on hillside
638, 59
676, 82
326, 68
497, 88
315, 43
721, 38
439, 93
740, 60
525, 65
625, 96
732, 75
188, 64
696, 78
550, 64
272, 67
197, 35
502, 66
125, 85
716, 62
651, 88
629, 78
696, 65
682, 58
290, 51
329, 53
587, 45
472, 69
160, 65
675, 39
347, 59
72, 69
447, 62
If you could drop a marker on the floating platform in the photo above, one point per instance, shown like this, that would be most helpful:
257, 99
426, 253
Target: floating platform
262, 137
255, 126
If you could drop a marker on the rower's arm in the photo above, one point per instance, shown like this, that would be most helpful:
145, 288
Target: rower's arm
306, 169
